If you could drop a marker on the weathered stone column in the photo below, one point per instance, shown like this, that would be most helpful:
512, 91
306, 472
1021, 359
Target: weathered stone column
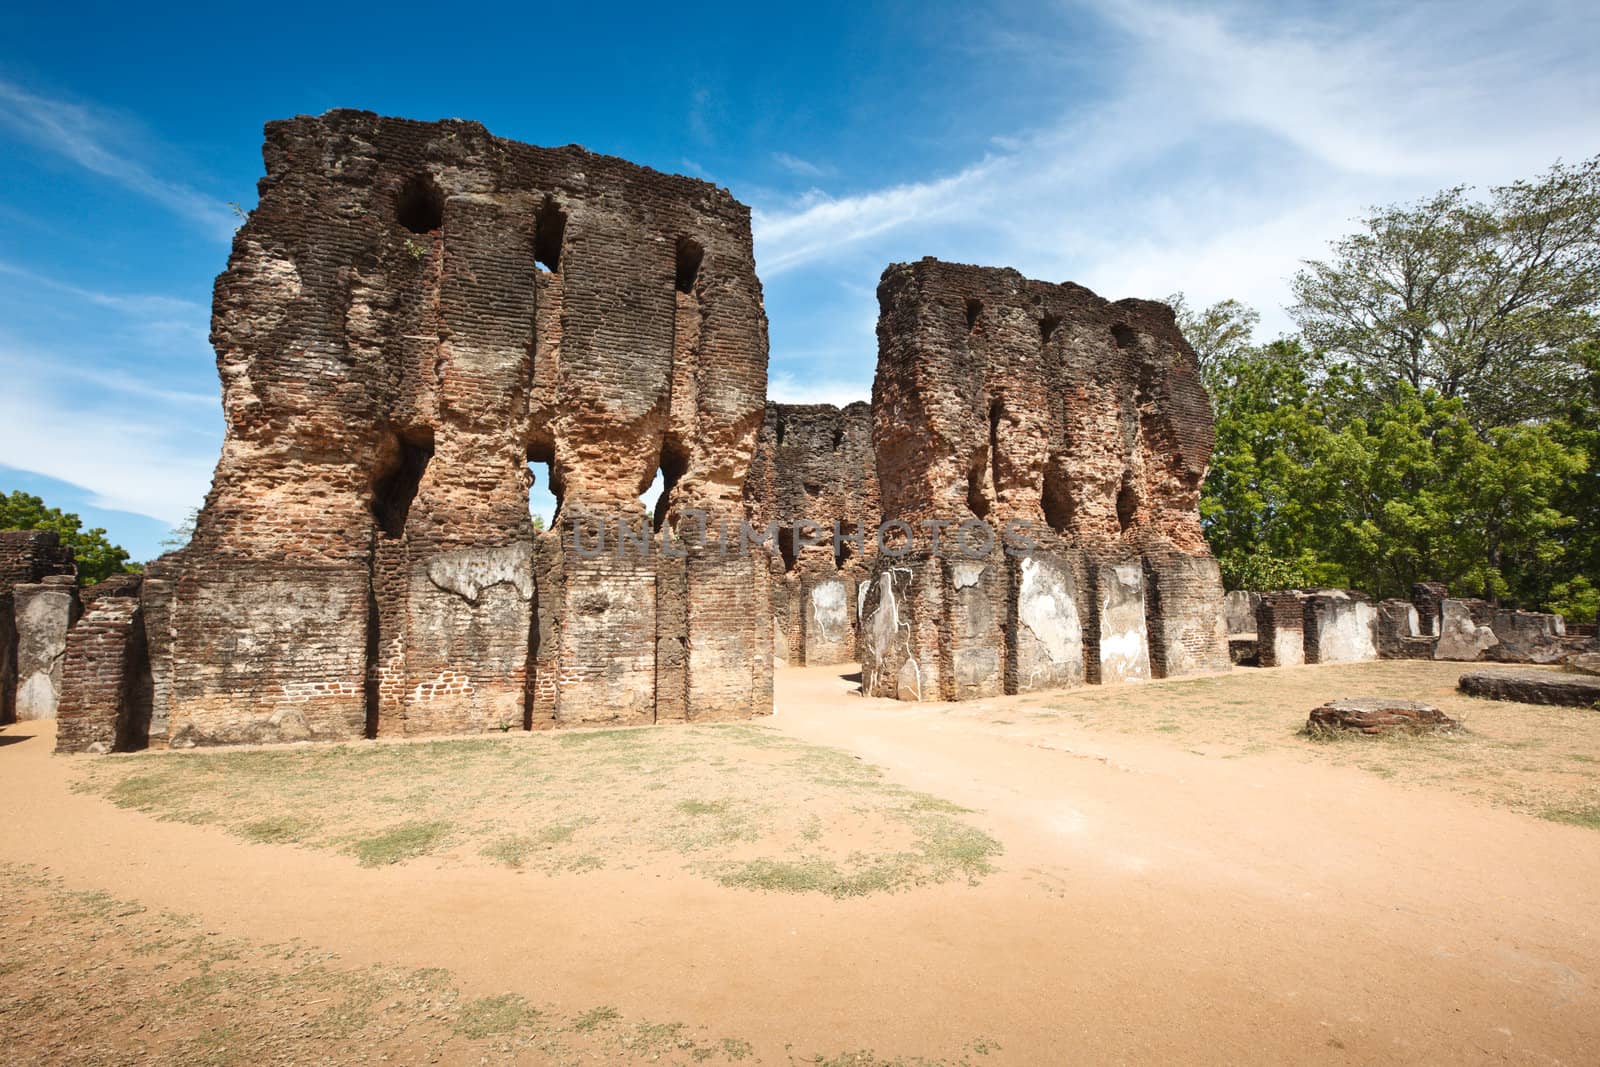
44, 614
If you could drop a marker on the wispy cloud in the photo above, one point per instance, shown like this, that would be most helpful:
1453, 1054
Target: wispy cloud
88, 137
802, 167
144, 305
1222, 146
823, 225
786, 388
120, 440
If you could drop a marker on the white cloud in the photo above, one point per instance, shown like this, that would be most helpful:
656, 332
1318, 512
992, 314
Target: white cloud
785, 388
88, 138
140, 461
796, 165
1225, 146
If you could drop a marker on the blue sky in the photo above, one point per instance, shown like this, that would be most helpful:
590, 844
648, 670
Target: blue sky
1137, 148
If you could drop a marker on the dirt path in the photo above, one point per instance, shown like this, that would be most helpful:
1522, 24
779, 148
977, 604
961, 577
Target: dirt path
1151, 904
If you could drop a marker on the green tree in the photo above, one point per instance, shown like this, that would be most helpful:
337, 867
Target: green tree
97, 557
1488, 303
1269, 415
1414, 493
1221, 333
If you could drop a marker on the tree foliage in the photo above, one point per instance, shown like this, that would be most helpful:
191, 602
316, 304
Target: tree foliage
97, 557
1488, 303
1438, 415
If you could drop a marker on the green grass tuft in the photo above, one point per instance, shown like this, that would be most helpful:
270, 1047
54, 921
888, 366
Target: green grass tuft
493, 1016
402, 843
1587, 817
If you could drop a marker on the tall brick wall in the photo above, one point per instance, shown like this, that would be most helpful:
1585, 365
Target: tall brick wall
816, 463
1001, 398
413, 314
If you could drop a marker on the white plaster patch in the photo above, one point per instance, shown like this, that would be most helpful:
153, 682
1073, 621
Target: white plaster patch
470, 571
829, 615
966, 575
1045, 608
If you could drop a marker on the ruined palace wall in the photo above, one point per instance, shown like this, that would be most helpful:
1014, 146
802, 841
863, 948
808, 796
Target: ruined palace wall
1003, 399
815, 462
413, 314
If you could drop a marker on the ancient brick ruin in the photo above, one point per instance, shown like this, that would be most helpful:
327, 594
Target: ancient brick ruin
815, 463
1344, 626
1007, 400
414, 315
419, 319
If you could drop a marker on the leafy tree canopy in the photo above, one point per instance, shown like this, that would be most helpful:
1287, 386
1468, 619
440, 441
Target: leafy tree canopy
1486, 302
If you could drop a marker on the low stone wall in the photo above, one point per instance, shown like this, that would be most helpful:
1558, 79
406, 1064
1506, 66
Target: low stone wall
1400, 633
1280, 630
1340, 627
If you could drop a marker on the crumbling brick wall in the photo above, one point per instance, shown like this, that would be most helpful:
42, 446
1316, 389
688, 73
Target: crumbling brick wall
815, 463
26, 557
106, 692
413, 314
999, 398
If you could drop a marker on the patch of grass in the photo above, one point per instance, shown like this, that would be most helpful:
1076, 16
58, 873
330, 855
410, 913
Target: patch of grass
595, 1018
1587, 817
402, 843
710, 797
493, 1016
782, 876
703, 807
736, 1050
944, 848
276, 830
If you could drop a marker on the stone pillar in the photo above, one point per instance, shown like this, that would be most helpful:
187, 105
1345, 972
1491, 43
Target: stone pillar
44, 614
1280, 630
1340, 627
106, 685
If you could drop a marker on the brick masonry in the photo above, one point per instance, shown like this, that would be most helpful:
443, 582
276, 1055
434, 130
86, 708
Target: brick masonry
815, 463
999, 398
106, 689
415, 319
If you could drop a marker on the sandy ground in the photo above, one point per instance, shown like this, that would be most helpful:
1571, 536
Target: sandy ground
1153, 902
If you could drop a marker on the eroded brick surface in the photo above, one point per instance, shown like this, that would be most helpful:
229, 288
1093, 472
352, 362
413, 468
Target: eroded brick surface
1004, 399
815, 462
414, 314
106, 688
